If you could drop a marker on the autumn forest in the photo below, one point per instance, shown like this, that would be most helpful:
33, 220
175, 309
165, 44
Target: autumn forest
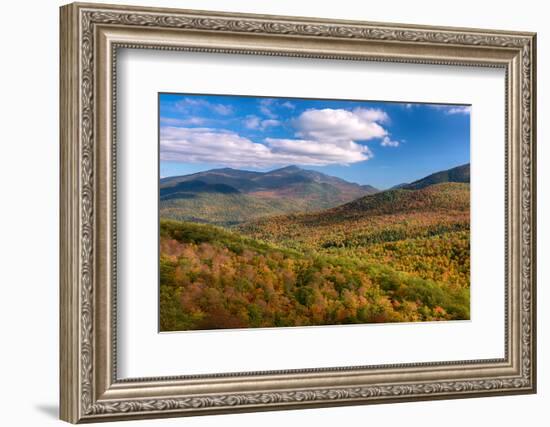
296, 247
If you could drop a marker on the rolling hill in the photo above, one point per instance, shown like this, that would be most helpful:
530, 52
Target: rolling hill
386, 216
230, 196
423, 232
456, 174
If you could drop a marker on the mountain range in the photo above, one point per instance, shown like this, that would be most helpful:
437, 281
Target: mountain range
230, 197
399, 255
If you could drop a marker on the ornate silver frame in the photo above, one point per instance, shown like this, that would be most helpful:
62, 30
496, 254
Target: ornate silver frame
90, 36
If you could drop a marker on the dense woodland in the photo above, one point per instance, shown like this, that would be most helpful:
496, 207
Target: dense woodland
401, 255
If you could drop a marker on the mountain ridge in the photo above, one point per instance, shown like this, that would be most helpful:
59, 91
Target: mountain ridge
228, 196
258, 177
385, 216
459, 173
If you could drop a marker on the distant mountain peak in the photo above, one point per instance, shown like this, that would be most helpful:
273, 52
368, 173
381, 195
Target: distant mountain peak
290, 168
227, 169
230, 196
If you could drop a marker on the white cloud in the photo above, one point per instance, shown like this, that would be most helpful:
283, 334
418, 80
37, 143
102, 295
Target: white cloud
269, 123
340, 125
450, 109
194, 121
222, 109
459, 110
266, 108
372, 114
289, 105
388, 142
206, 145
185, 105
322, 137
320, 153
254, 122
191, 102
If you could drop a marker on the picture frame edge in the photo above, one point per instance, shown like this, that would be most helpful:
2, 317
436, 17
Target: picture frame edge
79, 401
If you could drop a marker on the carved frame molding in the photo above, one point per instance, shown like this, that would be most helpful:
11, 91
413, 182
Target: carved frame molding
90, 37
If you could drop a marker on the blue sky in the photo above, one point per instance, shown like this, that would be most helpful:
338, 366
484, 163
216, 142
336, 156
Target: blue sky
368, 142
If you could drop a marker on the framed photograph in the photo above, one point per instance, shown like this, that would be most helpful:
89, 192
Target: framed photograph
266, 212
